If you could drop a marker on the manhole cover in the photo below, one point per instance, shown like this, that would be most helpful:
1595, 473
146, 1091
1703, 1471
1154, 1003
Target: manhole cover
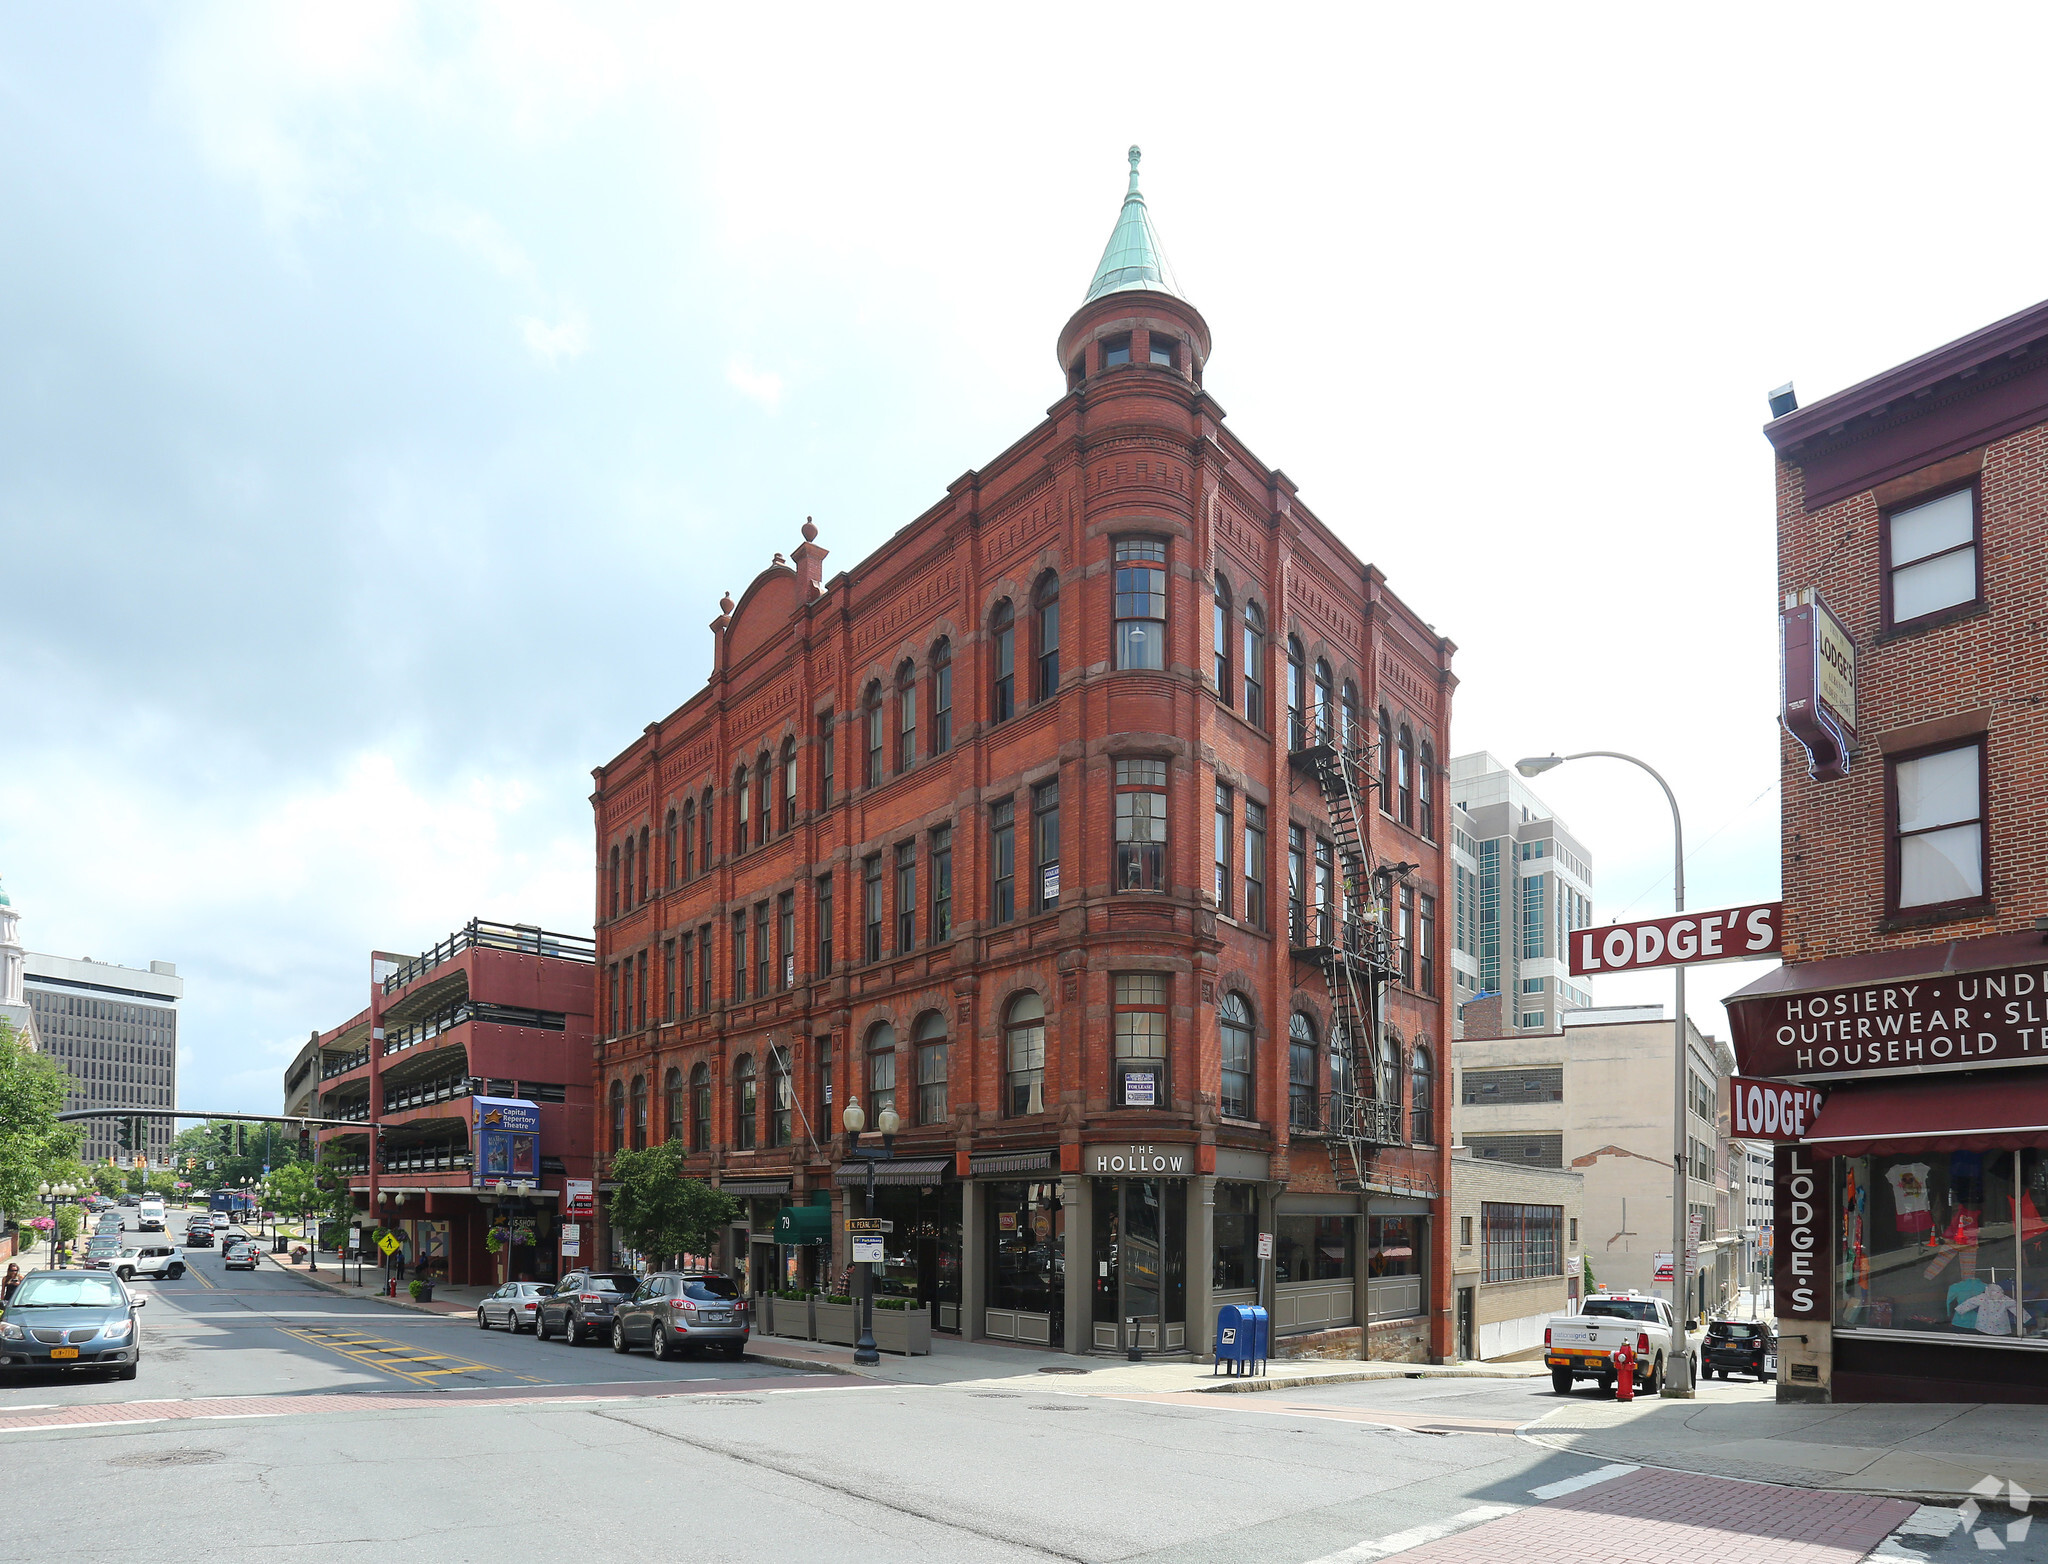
186, 1456
1062, 1371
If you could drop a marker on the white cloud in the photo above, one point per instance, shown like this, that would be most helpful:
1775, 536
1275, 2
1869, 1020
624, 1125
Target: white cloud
568, 337
757, 385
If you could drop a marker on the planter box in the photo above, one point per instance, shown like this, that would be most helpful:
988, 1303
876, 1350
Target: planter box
791, 1317
838, 1323
908, 1331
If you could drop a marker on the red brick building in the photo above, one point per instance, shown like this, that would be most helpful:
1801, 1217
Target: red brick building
486, 1034
1015, 827
1912, 1217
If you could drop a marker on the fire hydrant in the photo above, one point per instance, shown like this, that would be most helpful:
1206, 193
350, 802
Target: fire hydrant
1625, 1373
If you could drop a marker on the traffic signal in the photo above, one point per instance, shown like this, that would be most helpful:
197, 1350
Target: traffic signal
241, 1140
127, 1139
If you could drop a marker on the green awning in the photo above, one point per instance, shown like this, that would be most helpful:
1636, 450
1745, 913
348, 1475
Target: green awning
803, 1225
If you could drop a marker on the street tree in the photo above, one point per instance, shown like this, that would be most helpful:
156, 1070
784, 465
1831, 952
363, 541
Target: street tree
660, 1210
34, 1147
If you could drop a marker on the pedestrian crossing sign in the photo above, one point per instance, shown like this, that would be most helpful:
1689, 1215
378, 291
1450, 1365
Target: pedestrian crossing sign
388, 1243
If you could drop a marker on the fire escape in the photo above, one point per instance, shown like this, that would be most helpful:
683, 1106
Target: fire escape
1359, 962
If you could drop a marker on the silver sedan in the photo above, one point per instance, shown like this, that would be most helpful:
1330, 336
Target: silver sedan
511, 1306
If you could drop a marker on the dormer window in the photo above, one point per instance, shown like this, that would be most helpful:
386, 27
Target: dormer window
1115, 351
1163, 350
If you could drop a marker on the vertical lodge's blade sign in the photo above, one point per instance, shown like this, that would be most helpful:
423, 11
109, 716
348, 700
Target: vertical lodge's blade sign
1681, 939
1817, 683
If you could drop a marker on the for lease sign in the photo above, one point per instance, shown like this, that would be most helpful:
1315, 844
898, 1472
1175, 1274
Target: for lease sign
1685, 939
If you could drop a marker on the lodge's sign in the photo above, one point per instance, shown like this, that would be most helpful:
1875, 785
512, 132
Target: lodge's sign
1950, 1021
1817, 669
1799, 1246
1771, 1110
1684, 939
1141, 1161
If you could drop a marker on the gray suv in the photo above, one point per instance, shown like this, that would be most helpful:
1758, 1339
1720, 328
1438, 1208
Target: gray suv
581, 1305
675, 1312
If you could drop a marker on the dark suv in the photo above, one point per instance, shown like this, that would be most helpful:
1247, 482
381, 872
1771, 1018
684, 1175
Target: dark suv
581, 1306
1739, 1347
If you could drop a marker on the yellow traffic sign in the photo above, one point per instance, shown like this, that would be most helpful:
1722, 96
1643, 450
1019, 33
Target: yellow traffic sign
388, 1243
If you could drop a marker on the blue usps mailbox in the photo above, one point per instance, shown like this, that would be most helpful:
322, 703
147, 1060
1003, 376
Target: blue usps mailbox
1240, 1339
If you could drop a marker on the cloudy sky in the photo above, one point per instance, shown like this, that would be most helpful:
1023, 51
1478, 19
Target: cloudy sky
387, 393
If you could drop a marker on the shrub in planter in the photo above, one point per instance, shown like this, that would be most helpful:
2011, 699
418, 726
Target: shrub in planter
838, 1319
421, 1289
903, 1326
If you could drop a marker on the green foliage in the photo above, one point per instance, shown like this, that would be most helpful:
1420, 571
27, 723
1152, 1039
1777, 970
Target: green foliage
295, 1187
662, 1212
837, 1297
1586, 1291
108, 1181
214, 1141
893, 1303
34, 1147
418, 1289
70, 1218
165, 1184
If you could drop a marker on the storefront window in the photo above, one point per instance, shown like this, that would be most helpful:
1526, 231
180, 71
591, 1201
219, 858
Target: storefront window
1314, 1248
1237, 1238
1027, 1267
1944, 1242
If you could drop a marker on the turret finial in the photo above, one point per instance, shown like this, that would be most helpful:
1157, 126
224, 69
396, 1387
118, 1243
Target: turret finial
810, 530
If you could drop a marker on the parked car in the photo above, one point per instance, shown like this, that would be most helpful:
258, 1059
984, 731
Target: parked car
676, 1312
102, 1253
110, 1223
581, 1305
515, 1306
1740, 1347
131, 1200
199, 1236
239, 1256
1582, 1345
71, 1320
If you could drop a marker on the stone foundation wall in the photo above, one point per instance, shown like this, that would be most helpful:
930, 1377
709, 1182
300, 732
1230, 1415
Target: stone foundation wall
1393, 1341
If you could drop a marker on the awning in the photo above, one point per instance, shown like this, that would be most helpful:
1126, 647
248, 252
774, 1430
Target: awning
1013, 1162
854, 1175
756, 1186
1969, 1113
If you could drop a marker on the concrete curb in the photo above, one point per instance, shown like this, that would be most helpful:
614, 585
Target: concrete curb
319, 1282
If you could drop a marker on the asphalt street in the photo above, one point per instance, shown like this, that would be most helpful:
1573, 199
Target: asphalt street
346, 1429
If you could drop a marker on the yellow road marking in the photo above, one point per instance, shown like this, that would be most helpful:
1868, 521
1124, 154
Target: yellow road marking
366, 1351
199, 1276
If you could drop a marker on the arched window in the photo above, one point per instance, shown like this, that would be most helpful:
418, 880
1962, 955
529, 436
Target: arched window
1024, 1055
1046, 601
672, 1105
1390, 1077
1234, 1022
615, 882
704, 830
942, 697
700, 1108
1386, 762
1221, 637
1422, 1098
1301, 1072
789, 782
1351, 734
930, 1037
871, 723
763, 773
1002, 632
1404, 777
668, 835
1425, 793
906, 716
618, 1112
1140, 603
629, 871
746, 1103
639, 1113
881, 1071
1326, 705
689, 839
1254, 665
1297, 676
742, 809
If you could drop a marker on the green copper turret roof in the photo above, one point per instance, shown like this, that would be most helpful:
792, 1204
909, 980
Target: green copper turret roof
1134, 258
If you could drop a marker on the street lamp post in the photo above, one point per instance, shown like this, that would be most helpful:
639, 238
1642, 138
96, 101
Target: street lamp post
864, 1350
1677, 1380
54, 1193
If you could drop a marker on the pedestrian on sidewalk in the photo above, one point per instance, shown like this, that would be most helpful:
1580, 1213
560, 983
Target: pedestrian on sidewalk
9, 1282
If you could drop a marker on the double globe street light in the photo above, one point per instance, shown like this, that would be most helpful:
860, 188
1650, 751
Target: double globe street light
1677, 1379
55, 1194
855, 1120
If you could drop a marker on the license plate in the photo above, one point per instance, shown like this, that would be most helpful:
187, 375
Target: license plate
718, 1319
63, 1352
1770, 1363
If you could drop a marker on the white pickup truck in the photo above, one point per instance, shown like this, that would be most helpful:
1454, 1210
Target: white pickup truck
1582, 1345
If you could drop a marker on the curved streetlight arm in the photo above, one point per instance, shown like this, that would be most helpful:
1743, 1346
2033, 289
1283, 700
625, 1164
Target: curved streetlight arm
1677, 829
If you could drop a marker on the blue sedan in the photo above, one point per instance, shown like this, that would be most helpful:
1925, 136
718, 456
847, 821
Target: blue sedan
72, 1320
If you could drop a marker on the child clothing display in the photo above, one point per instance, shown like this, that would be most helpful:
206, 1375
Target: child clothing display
1909, 1197
1960, 1293
1998, 1312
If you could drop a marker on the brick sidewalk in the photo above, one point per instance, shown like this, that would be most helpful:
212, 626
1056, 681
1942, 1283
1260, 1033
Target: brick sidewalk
1676, 1518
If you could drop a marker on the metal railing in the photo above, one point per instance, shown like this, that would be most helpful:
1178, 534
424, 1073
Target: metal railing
346, 1063
524, 938
399, 1038
422, 1093
1374, 1120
